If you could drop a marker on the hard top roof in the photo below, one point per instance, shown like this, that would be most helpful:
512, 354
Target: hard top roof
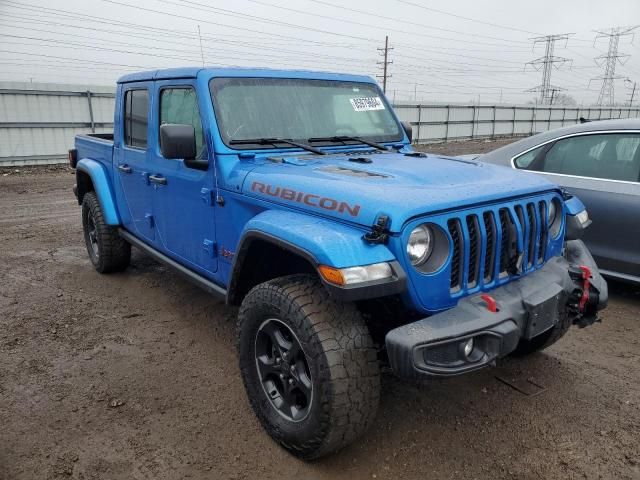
193, 72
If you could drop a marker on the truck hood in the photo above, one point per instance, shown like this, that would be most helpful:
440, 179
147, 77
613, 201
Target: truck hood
359, 187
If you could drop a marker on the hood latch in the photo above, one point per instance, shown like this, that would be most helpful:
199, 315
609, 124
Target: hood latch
379, 233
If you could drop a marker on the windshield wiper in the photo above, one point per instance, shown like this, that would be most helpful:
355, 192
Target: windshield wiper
345, 138
274, 142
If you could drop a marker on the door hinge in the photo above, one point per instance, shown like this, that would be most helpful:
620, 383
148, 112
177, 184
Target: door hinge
209, 246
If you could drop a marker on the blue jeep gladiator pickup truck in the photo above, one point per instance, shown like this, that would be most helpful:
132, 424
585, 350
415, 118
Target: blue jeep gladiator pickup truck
297, 196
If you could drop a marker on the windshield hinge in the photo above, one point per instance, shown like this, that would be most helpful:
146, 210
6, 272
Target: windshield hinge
379, 233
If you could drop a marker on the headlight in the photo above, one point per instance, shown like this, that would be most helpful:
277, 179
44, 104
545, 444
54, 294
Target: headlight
420, 245
551, 215
555, 217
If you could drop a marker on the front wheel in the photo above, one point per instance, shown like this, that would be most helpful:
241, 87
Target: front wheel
308, 365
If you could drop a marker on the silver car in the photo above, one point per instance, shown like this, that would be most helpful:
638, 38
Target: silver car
599, 162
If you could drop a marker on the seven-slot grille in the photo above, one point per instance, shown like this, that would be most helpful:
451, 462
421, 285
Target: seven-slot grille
497, 243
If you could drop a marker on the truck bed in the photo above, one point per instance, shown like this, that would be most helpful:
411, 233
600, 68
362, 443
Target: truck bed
96, 146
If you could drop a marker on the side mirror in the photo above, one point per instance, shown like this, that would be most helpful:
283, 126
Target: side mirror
408, 130
179, 141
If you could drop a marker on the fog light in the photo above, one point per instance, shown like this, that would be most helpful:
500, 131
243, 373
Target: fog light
467, 348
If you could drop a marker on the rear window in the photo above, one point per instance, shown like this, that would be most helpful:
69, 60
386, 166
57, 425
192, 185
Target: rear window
136, 108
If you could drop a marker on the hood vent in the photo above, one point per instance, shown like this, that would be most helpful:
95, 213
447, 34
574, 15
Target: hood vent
351, 172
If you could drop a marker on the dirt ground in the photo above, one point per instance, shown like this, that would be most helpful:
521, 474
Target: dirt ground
134, 376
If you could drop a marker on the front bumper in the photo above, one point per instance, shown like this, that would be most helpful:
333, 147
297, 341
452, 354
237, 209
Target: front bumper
526, 308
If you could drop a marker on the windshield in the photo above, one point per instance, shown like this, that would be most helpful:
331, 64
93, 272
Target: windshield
299, 110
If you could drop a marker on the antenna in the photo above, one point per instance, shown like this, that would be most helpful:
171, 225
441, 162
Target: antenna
201, 52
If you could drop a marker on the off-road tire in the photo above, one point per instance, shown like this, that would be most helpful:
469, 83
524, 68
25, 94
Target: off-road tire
113, 252
545, 339
341, 358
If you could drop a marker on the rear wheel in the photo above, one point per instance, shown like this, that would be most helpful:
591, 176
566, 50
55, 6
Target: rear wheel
308, 365
108, 251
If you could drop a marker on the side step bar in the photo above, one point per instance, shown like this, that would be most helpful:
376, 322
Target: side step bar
199, 280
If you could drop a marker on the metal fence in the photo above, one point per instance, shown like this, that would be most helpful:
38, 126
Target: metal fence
433, 122
38, 122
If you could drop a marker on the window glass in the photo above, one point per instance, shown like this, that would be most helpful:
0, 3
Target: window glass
299, 109
180, 105
524, 161
613, 156
135, 118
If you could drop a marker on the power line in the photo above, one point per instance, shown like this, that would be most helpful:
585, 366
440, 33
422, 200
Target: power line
610, 60
431, 9
385, 63
546, 63
403, 21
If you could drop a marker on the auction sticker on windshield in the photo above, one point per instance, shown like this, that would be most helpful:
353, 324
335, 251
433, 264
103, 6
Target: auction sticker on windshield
365, 104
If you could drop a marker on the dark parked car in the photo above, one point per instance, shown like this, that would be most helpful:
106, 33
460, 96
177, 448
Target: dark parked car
600, 163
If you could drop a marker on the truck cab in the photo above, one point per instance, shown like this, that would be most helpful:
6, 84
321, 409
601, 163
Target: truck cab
298, 197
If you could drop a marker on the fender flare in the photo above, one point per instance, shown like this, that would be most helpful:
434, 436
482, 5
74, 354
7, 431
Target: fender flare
320, 242
102, 186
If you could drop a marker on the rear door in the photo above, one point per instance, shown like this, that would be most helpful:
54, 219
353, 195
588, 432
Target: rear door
132, 157
603, 170
183, 197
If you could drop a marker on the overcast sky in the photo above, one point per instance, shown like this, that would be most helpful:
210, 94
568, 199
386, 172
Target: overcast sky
453, 50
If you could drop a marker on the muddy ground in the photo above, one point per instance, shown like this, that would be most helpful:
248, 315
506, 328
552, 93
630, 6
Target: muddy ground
134, 376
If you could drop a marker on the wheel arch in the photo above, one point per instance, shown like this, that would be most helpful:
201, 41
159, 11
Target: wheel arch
279, 242
92, 176
257, 255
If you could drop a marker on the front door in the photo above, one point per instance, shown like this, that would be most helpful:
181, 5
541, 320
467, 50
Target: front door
183, 197
131, 154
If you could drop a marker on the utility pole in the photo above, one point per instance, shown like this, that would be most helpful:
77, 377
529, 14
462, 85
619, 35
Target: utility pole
633, 90
385, 53
609, 61
546, 64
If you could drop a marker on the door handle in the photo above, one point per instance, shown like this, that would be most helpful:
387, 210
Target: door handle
157, 179
124, 168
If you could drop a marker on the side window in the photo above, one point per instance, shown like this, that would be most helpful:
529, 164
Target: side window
136, 107
524, 161
180, 105
614, 156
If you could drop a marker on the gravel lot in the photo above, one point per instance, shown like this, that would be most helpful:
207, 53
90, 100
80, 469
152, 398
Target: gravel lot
134, 375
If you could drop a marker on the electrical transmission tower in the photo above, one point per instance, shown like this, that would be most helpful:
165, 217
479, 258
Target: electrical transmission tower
546, 63
384, 51
609, 61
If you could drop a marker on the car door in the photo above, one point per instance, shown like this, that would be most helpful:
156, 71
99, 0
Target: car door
183, 197
131, 155
603, 170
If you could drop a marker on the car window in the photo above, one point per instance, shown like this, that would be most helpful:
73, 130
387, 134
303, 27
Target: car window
614, 156
180, 105
524, 161
136, 106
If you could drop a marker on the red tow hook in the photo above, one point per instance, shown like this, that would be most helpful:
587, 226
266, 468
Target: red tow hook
492, 306
586, 275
